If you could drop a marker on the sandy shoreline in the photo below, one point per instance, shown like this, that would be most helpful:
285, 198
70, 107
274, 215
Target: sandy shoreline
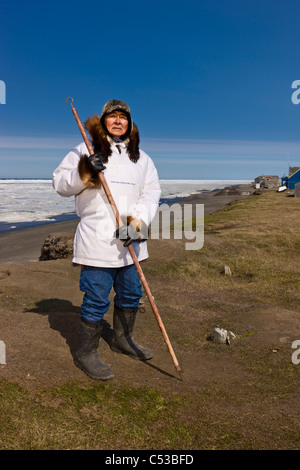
25, 245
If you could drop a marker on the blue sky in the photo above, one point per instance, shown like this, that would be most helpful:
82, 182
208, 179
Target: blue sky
209, 83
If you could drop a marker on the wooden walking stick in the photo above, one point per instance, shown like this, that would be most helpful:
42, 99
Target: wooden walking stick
130, 247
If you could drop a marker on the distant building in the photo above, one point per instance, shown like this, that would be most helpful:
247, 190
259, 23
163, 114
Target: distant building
291, 180
293, 169
267, 181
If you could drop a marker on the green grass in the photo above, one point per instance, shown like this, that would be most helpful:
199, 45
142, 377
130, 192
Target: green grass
101, 417
90, 417
258, 238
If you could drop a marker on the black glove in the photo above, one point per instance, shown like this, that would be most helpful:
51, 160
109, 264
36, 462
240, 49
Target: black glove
95, 163
122, 233
135, 230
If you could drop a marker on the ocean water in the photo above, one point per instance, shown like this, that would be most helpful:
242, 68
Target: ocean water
31, 202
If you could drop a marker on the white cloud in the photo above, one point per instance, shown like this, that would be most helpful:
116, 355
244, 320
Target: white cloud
223, 147
27, 142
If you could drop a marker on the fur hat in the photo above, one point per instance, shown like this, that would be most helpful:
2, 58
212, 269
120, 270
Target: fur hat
116, 105
101, 140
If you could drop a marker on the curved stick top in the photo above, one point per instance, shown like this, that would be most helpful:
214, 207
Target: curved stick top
69, 98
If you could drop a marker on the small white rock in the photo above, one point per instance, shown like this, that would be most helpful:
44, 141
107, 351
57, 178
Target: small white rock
223, 336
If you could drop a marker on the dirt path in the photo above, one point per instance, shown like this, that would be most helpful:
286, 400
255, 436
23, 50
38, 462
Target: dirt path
40, 312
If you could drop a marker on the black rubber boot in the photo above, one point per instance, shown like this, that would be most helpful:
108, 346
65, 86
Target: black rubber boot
123, 323
87, 358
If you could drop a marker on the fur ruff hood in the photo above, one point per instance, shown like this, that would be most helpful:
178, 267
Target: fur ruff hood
101, 142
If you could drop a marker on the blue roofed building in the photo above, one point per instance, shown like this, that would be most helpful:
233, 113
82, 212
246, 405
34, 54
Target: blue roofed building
291, 180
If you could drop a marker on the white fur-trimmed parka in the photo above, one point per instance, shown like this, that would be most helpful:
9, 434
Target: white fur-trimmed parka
133, 182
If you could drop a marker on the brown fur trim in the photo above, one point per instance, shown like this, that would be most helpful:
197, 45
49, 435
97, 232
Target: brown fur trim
101, 144
86, 175
98, 135
139, 226
133, 144
137, 223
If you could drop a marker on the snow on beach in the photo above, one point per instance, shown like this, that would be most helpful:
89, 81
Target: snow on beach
183, 188
26, 203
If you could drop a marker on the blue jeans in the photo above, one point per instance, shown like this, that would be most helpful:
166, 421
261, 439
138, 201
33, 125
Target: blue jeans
96, 283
